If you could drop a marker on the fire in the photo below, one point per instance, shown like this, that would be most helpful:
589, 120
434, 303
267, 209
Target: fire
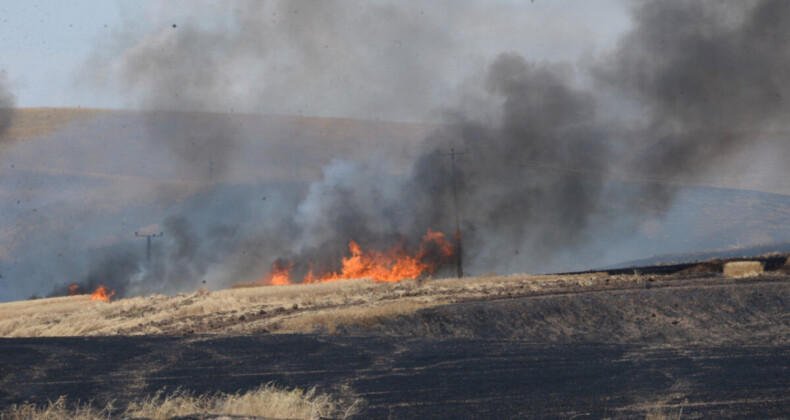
73, 290
101, 294
279, 275
393, 265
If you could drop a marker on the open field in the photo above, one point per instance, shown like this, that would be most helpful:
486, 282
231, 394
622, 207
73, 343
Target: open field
406, 378
683, 341
296, 308
697, 304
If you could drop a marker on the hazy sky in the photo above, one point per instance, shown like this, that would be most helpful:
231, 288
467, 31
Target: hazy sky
47, 44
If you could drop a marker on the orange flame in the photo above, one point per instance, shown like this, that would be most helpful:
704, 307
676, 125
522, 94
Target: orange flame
393, 265
101, 294
73, 290
279, 275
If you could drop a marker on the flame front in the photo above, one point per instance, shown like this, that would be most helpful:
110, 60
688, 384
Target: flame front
279, 275
393, 265
73, 290
101, 294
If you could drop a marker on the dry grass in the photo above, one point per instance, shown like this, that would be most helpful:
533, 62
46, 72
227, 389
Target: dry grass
740, 269
329, 321
57, 410
665, 412
264, 401
295, 308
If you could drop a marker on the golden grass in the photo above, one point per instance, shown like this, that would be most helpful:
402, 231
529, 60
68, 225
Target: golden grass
264, 401
330, 320
740, 269
57, 410
294, 308
665, 412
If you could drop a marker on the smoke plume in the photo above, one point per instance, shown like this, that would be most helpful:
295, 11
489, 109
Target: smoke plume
710, 76
564, 159
545, 175
7, 101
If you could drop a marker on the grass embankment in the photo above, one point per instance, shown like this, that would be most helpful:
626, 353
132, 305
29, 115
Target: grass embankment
592, 306
289, 309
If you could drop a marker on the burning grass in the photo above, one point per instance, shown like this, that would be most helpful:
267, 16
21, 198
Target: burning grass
265, 401
391, 266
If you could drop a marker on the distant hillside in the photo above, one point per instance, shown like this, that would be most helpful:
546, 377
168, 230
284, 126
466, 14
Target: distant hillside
287, 148
705, 223
28, 123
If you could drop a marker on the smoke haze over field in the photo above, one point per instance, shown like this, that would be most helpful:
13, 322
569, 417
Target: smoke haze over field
564, 160
6, 105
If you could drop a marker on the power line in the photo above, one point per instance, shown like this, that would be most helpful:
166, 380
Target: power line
458, 250
148, 243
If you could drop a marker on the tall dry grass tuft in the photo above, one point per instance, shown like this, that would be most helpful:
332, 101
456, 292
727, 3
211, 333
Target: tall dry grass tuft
264, 401
57, 410
665, 412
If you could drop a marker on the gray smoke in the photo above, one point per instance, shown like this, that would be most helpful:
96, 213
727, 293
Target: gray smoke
557, 169
563, 159
328, 58
7, 102
710, 75
300, 57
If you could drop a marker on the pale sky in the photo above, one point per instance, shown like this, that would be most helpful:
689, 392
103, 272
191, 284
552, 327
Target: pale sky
45, 44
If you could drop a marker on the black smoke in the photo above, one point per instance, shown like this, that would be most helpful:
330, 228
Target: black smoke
711, 76
566, 162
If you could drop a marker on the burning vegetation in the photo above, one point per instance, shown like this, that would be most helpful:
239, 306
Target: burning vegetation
391, 266
101, 293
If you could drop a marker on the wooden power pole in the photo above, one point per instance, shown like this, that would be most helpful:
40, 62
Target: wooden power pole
458, 249
148, 244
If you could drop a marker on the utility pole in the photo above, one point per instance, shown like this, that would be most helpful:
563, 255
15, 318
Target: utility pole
148, 244
458, 250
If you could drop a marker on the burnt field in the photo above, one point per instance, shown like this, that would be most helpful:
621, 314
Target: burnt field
415, 377
594, 345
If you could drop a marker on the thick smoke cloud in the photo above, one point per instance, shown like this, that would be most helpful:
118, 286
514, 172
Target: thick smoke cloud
552, 172
329, 58
557, 167
299, 57
711, 76
508, 207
